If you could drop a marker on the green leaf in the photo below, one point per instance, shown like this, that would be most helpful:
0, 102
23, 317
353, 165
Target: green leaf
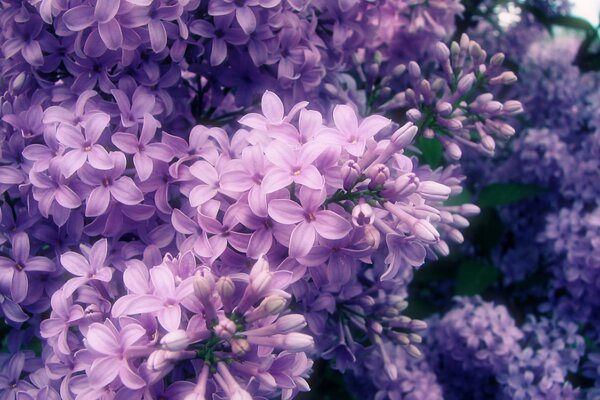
475, 277
499, 194
432, 151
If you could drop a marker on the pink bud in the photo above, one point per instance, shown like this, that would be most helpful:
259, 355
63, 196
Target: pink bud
225, 287
433, 191
414, 115
176, 340
465, 83
425, 231
444, 108
225, 328
239, 346
441, 52
350, 170
290, 323
456, 236
414, 71
513, 107
378, 174
505, 78
298, 341
203, 287
404, 135
497, 60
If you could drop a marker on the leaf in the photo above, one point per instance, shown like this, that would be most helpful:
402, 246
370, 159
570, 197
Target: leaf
499, 194
432, 151
475, 277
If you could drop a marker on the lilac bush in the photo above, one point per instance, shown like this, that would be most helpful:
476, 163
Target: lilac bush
238, 200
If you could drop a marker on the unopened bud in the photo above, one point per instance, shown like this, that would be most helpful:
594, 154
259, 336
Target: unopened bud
203, 287
404, 135
453, 150
225, 328
469, 210
497, 60
414, 71
414, 351
225, 287
433, 191
298, 341
444, 108
175, 340
376, 327
456, 236
441, 52
505, 78
465, 83
239, 347
398, 70
378, 174
351, 170
492, 107
274, 304
488, 143
414, 115
425, 231
513, 107
290, 322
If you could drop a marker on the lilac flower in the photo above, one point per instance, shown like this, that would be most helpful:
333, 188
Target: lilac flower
84, 146
165, 300
108, 31
88, 268
109, 348
109, 184
64, 314
310, 220
220, 34
292, 165
143, 151
134, 111
15, 269
352, 135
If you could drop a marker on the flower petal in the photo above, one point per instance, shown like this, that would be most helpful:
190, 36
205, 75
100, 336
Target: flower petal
331, 225
302, 240
286, 211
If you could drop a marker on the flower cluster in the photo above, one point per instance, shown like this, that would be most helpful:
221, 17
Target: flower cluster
471, 344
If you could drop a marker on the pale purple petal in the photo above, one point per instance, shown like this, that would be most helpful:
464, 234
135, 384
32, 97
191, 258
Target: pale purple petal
99, 158
331, 225
67, 197
170, 318
276, 179
310, 177
79, 18
106, 10
20, 247
111, 34
345, 119
97, 202
125, 191
103, 371
136, 304
75, 263
19, 285
301, 240
129, 378
286, 211
102, 339
158, 35
126, 142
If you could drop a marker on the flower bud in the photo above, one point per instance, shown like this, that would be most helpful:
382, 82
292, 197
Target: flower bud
444, 108
425, 231
505, 78
298, 341
290, 322
428, 133
488, 143
414, 351
372, 236
274, 304
414, 71
203, 287
157, 360
497, 60
414, 115
513, 107
492, 107
351, 170
378, 174
433, 191
441, 52
362, 214
175, 340
455, 236
225, 328
376, 327
239, 346
465, 83
469, 210
398, 70
225, 287
404, 135
453, 150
